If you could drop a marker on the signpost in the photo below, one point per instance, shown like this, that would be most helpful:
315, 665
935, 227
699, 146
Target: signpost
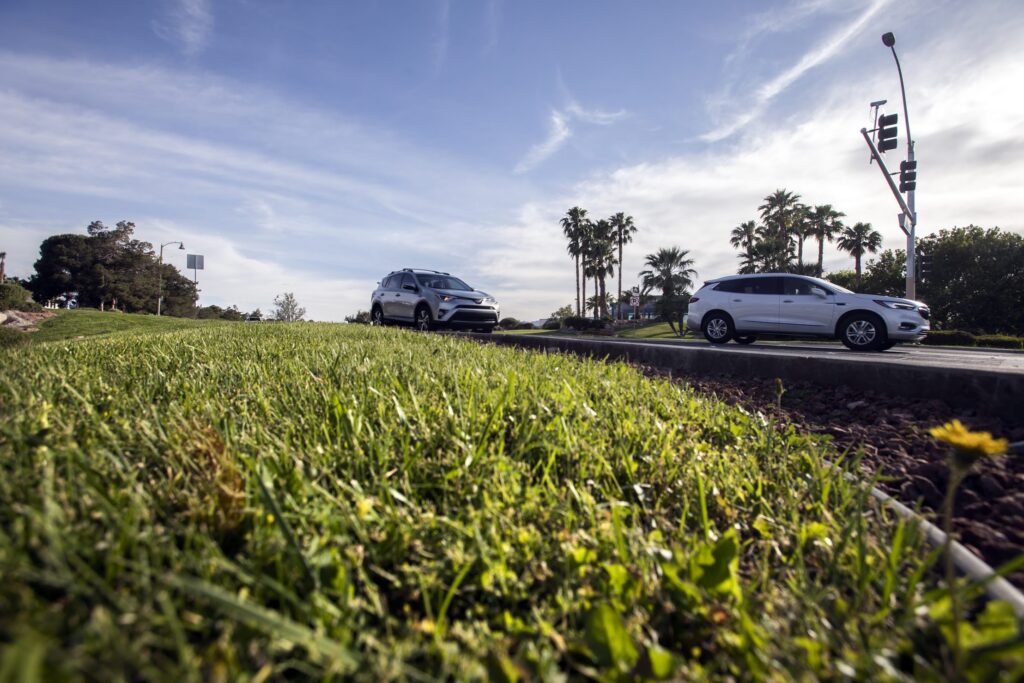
195, 262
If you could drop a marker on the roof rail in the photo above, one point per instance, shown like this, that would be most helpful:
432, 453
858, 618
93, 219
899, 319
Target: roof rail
425, 270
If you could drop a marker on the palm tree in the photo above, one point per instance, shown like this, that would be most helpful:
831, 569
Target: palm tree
744, 236
778, 213
624, 230
859, 240
800, 228
825, 225
600, 260
574, 228
670, 271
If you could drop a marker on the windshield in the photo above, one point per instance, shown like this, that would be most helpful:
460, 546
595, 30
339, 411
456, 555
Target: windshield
443, 282
833, 285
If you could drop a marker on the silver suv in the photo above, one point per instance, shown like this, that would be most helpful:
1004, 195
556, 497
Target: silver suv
430, 299
740, 307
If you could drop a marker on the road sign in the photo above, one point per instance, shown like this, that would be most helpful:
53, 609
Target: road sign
634, 301
194, 262
636, 289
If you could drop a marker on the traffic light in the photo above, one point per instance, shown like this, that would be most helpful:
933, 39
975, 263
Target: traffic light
908, 175
924, 266
885, 134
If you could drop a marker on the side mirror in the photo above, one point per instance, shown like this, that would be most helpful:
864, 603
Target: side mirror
411, 288
818, 291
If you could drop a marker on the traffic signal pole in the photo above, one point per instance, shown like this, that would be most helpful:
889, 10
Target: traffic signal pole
910, 214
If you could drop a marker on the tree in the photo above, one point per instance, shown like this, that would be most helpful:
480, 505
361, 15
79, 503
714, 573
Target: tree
976, 282
857, 241
574, 227
887, 274
108, 266
599, 255
825, 226
561, 313
744, 238
843, 278
287, 308
779, 215
232, 313
624, 229
670, 271
360, 318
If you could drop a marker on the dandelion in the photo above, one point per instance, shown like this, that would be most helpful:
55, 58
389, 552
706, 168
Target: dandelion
270, 519
968, 447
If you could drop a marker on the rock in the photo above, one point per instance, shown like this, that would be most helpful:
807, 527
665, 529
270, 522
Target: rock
990, 486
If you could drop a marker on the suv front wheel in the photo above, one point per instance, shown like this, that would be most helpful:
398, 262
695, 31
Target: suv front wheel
424, 323
863, 332
717, 328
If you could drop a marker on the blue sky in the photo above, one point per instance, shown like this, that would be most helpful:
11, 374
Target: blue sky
312, 147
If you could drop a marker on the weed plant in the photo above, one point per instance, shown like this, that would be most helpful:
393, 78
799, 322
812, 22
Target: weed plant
326, 501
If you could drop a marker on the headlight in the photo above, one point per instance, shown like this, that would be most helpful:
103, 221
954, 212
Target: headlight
445, 297
490, 300
896, 305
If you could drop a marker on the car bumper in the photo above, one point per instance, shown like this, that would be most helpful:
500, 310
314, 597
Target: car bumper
907, 328
468, 316
691, 321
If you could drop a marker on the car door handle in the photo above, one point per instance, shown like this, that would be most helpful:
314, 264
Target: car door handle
738, 300
787, 301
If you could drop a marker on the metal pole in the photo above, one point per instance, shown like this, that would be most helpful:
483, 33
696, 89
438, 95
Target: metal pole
912, 217
160, 279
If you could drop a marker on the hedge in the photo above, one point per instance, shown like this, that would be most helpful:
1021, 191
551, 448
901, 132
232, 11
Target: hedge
961, 338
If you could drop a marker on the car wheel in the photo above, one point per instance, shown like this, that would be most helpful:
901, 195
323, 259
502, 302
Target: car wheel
717, 328
424, 323
863, 332
745, 339
377, 316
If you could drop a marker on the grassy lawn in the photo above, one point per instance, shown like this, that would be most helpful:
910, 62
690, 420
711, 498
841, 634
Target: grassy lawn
653, 331
315, 500
91, 322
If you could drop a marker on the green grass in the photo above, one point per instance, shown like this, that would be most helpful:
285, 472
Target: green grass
306, 501
652, 331
89, 322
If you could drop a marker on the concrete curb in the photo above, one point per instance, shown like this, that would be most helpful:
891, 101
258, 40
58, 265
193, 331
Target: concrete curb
998, 393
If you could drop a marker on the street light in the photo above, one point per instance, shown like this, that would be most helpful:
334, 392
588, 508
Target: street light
889, 40
160, 274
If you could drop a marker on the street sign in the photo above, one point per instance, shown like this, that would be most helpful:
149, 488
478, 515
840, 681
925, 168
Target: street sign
636, 289
194, 262
634, 301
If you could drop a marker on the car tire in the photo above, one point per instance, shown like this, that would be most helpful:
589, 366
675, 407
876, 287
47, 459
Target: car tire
745, 339
717, 327
863, 332
423, 320
377, 316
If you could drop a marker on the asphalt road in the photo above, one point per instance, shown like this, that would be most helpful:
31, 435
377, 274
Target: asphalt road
997, 360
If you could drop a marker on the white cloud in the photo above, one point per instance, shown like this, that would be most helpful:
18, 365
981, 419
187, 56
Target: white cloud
820, 53
188, 24
559, 132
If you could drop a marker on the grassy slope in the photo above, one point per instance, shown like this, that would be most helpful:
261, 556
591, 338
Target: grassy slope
91, 322
652, 331
302, 499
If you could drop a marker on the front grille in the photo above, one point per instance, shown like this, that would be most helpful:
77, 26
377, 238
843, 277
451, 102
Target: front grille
475, 316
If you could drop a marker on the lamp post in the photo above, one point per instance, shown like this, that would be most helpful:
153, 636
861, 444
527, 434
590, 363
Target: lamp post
889, 40
160, 274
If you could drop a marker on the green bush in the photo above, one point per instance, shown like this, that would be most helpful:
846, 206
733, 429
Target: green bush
10, 337
553, 325
950, 338
1001, 341
584, 324
15, 297
524, 326
508, 323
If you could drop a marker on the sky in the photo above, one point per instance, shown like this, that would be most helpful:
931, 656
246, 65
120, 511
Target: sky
314, 147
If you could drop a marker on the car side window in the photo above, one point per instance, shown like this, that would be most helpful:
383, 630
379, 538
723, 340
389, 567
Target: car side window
728, 286
760, 285
797, 287
386, 283
407, 279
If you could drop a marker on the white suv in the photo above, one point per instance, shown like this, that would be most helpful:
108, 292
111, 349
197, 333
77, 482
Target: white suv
740, 307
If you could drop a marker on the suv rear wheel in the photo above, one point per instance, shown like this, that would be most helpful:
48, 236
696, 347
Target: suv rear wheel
717, 327
863, 332
377, 316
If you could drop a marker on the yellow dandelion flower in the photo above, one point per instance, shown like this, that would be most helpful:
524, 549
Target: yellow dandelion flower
364, 508
968, 447
270, 519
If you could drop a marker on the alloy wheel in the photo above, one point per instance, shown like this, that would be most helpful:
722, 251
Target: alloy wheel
423, 320
861, 332
717, 328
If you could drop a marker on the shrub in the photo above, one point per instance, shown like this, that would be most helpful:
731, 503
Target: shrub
15, 297
1001, 341
553, 325
10, 337
950, 338
525, 326
508, 323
